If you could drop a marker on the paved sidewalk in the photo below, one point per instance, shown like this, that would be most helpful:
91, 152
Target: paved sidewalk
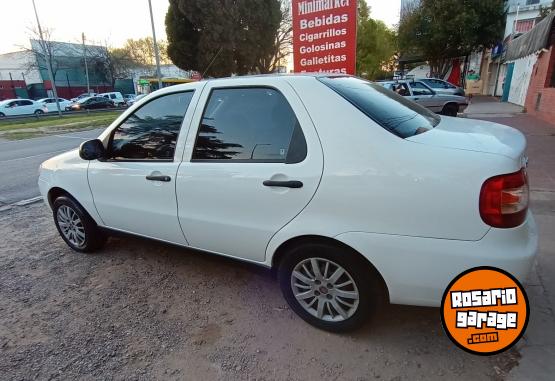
538, 345
482, 106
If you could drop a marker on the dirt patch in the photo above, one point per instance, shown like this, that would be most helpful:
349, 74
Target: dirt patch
143, 310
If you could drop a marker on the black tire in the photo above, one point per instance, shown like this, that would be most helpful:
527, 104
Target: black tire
2, 115
450, 109
39, 112
94, 238
364, 276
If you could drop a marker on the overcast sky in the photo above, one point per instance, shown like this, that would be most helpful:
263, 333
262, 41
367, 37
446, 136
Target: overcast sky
111, 21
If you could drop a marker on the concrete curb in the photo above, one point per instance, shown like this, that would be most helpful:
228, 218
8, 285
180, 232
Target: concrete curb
4, 208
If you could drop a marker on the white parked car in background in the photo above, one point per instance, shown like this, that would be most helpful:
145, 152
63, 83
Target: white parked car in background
115, 97
129, 99
14, 107
50, 104
405, 201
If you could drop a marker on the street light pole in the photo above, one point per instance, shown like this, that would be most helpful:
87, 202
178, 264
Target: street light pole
48, 61
86, 66
156, 53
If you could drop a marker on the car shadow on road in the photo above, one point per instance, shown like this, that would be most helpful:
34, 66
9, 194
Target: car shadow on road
388, 318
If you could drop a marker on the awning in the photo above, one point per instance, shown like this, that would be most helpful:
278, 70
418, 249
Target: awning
532, 41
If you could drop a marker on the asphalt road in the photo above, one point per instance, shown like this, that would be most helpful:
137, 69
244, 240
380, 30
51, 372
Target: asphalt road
20, 160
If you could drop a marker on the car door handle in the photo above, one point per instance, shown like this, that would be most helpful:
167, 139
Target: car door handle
416, 99
285, 184
163, 178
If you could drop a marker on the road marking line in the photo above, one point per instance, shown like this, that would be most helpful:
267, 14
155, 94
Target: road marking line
28, 201
6, 142
37, 155
71, 137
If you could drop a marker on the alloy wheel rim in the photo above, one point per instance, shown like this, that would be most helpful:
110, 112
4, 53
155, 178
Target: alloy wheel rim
325, 289
71, 226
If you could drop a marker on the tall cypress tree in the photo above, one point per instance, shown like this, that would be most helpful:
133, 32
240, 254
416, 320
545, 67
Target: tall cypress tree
223, 37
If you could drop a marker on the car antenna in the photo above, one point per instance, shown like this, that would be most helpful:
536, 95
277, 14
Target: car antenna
212, 61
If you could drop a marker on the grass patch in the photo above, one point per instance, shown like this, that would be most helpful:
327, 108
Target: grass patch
28, 128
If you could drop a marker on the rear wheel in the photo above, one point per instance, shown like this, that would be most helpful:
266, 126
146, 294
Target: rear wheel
76, 227
2, 115
328, 286
450, 109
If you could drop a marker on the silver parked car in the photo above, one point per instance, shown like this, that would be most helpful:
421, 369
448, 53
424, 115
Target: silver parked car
442, 87
422, 94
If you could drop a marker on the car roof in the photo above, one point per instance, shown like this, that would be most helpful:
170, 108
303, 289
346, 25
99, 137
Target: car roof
200, 84
17, 99
400, 81
289, 76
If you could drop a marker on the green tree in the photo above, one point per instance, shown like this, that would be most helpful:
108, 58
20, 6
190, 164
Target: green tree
222, 37
440, 30
141, 51
276, 55
376, 45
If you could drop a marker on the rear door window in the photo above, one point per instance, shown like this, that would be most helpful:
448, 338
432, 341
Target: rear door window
251, 124
393, 112
418, 88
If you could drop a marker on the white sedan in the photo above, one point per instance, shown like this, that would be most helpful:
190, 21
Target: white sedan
50, 103
15, 107
352, 193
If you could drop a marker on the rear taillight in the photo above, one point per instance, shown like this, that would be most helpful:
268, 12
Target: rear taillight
504, 200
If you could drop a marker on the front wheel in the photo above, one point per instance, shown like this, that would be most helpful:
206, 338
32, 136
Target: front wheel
76, 227
450, 109
328, 286
39, 112
2, 115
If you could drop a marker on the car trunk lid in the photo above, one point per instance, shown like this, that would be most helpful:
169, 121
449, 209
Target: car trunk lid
474, 135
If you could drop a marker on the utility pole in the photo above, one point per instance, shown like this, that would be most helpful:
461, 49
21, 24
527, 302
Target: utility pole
48, 61
86, 66
156, 53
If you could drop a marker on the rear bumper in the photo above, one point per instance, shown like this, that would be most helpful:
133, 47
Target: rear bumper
462, 106
417, 270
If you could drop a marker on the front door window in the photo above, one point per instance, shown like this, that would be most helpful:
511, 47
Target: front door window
151, 132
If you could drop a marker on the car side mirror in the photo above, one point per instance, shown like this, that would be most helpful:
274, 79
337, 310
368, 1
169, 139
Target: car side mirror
92, 150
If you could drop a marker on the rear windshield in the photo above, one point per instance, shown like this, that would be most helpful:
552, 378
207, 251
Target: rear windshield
396, 114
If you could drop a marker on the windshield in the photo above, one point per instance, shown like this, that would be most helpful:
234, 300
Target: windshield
393, 112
